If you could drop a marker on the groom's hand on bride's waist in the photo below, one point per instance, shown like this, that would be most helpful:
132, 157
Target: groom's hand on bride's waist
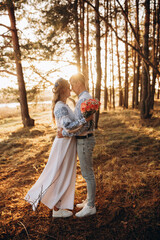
59, 133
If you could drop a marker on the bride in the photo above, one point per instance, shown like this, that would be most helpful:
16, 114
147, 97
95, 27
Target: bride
56, 185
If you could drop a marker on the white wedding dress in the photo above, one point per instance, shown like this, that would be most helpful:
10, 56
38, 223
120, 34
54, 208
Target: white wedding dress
56, 184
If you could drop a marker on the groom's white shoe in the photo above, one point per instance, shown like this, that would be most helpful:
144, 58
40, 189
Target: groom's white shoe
86, 211
61, 213
81, 205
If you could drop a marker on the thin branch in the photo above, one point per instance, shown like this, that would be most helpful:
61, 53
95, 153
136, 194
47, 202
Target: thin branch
6, 46
49, 72
55, 70
38, 73
6, 71
3, 35
6, 32
6, 27
25, 229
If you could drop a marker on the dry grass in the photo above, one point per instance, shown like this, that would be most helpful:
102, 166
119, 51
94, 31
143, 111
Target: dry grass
127, 170
8, 112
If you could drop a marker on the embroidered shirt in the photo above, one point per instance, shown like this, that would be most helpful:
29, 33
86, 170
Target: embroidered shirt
65, 118
86, 127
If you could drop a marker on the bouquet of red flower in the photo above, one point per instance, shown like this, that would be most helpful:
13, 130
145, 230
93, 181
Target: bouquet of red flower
89, 107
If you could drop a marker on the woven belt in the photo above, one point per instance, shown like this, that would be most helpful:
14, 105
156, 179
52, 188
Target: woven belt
86, 136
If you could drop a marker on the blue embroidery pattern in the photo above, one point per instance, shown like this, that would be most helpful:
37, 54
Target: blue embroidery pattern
63, 111
86, 125
62, 114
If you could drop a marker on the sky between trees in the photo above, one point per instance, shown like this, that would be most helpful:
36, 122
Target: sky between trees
114, 43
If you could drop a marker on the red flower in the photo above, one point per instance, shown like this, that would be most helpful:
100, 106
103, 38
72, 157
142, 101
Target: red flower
89, 107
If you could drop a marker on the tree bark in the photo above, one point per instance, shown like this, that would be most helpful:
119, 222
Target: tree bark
137, 79
106, 54
145, 101
91, 62
154, 57
119, 67
82, 36
27, 121
113, 90
158, 46
77, 36
98, 58
126, 58
87, 50
134, 57
158, 90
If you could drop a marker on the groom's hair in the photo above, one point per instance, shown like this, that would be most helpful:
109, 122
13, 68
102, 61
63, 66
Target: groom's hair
78, 77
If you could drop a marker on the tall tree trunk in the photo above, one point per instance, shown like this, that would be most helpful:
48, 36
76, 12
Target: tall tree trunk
126, 58
154, 60
106, 54
91, 62
98, 58
82, 36
119, 68
110, 80
158, 47
137, 79
77, 35
145, 101
113, 90
134, 55
158, 90
87, 50
27, 121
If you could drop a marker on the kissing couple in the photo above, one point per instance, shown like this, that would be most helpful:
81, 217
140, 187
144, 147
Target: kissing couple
56, 185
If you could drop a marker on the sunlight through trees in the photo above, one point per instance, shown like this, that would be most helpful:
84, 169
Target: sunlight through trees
114, 43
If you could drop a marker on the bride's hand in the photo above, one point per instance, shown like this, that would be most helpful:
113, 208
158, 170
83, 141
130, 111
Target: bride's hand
59, 133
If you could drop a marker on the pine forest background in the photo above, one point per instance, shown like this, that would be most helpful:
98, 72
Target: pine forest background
116, 44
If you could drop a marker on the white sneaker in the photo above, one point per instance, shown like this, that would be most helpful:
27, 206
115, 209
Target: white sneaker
86, 211
81, 205
61, 213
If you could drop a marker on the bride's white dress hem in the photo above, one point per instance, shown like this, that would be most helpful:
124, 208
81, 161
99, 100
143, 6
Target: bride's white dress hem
56, 184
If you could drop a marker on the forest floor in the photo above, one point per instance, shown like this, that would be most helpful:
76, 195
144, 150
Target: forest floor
127, 171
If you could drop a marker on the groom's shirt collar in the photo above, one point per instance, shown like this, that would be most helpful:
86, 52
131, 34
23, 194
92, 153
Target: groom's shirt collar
82, 93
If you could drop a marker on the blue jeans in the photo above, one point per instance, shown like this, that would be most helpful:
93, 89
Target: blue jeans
85, 149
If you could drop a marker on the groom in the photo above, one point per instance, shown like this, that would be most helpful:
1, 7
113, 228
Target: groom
85, 146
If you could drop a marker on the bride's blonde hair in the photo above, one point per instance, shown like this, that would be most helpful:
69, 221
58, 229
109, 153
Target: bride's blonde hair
60, 85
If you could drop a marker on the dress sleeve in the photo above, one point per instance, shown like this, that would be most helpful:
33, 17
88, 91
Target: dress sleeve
76, 132
85, 127
70, 126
